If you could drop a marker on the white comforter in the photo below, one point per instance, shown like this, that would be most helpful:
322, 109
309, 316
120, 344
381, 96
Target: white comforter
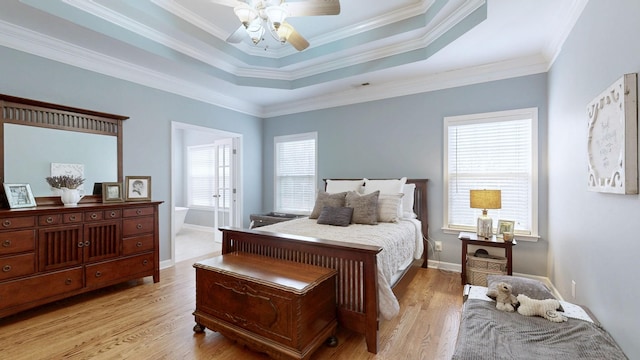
401, 242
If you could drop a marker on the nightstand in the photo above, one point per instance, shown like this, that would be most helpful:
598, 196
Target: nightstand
469, 238
258, 220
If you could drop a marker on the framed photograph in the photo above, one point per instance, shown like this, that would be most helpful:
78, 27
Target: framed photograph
138, 188
19, 195
505, 226
112, 192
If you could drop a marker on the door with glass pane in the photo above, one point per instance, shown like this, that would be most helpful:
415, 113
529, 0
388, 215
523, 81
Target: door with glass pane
223, 196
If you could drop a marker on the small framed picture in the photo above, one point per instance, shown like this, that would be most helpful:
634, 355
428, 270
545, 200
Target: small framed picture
505, 226
19, 195
112, 192
138, 188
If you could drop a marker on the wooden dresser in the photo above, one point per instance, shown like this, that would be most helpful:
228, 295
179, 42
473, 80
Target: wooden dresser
282, 308
52, 252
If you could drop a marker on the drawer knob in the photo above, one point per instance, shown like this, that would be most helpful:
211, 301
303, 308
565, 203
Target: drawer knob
139, 244
72, 218
6, 223
139, 226
94, 216
68, 281
87, 243
113, 214
138, 211
145, 262
6, 243
80, 244
49, 220
98, 274
6, 268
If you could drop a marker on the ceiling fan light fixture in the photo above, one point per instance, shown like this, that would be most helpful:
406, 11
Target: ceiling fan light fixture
246, 14
256, 31
284, 31
276, 14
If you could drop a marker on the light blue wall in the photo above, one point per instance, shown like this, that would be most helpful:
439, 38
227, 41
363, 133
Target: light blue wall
593, 237
147, 132
404, 137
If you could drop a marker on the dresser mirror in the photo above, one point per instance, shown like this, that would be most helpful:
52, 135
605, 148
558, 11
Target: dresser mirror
36, 134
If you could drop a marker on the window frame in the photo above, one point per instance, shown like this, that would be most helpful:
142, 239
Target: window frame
480, 118
293, 138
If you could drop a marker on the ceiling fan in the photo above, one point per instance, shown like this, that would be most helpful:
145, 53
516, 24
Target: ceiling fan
260, 16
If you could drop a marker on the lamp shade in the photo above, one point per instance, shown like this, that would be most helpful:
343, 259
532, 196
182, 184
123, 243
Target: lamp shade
485, 199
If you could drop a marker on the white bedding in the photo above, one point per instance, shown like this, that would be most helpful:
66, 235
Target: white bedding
401, 242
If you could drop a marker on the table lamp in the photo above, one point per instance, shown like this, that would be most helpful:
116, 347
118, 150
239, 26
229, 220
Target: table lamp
485, 199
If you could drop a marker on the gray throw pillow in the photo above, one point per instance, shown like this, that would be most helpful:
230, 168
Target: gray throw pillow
326, 199
337, 216
532, 288
365, 207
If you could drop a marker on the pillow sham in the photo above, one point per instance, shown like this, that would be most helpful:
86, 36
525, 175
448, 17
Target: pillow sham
387, 186
407, 201
389, 207
365, 207
530, 287
337, 216
325, 199
336, 186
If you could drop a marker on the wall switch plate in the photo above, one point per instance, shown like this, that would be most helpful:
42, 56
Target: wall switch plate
438, 245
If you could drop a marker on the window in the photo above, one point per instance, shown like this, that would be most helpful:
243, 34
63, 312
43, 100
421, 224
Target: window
201, 161
295, 173
492, 151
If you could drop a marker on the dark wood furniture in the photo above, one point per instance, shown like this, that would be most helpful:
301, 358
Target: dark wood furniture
258, 220
357, 285
282, 308
52, 252
469, 238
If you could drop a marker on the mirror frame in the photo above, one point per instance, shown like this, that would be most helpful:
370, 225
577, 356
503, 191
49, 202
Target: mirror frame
21, 111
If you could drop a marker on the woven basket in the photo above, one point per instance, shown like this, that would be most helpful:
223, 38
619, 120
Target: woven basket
476, 276
496, 263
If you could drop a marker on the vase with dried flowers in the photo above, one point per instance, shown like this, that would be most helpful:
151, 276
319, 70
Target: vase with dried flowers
67, 188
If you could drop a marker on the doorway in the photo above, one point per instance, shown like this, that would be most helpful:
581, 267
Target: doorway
205, 183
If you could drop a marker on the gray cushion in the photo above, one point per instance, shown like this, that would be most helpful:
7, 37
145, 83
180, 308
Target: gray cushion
326, 199
532, 288
365, 207
338, 216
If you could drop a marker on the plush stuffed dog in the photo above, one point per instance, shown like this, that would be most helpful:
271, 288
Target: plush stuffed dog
505, 301
545, 308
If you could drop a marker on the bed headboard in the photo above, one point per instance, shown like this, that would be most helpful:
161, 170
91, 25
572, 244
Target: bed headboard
419, 202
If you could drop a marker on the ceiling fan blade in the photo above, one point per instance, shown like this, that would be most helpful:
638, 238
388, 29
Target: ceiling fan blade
230, 3
313, 7
296, 40
237, 35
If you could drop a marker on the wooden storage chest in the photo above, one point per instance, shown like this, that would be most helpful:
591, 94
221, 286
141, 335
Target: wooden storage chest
282, 308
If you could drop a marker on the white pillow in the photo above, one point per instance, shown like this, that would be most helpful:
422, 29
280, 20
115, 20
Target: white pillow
389, 207
337, 186
407, 201
392, 186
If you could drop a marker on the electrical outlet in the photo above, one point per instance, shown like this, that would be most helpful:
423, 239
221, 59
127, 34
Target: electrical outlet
573, 289
438, 245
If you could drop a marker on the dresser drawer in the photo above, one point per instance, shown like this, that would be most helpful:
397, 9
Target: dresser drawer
17, 222
94, 215
112, 271
54, 219
71, 218
12, 242
141, 211
23, 291
136, 226
17, 265
137, 244
113, 214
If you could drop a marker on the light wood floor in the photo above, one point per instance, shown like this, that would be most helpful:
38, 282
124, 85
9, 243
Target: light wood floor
143, 320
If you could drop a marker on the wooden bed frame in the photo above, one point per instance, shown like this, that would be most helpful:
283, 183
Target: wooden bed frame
357, 286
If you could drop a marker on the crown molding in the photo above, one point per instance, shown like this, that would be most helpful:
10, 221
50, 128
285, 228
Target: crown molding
555, 46
467, 76
35, 43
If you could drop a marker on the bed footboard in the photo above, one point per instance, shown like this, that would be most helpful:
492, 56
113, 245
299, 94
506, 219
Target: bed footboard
356, 287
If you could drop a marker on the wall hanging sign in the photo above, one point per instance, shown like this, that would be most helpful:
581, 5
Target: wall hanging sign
612, 143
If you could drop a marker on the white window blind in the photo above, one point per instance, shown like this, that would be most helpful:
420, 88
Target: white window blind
492, 151
201, 175
295, 173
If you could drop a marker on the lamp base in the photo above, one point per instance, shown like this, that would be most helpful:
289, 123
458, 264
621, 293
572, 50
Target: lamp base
485, 227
